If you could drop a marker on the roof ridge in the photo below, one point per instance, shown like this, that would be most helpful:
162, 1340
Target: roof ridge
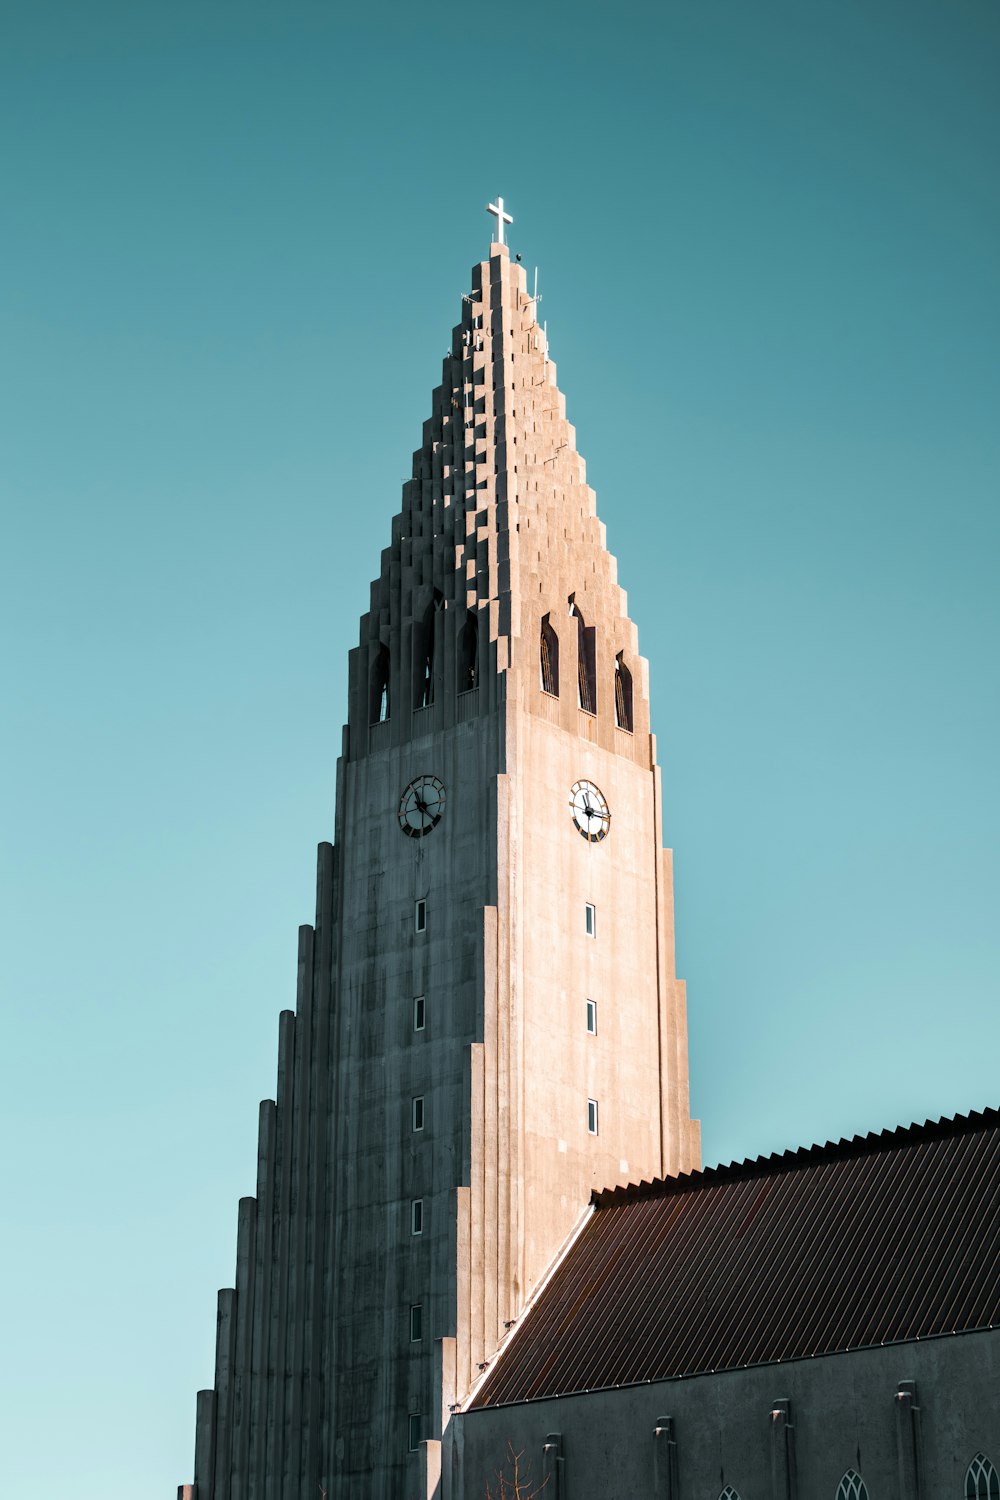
799, 1156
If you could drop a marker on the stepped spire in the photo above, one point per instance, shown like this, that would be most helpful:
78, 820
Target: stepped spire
498, 524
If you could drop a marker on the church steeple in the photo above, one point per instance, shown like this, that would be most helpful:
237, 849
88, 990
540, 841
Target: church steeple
498, 542
488, 1024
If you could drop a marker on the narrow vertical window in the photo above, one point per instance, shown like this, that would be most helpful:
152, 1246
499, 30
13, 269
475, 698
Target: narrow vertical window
592, 1127
416, 1323
592, 1017
414, 1431
418, 1112
418, 1013
981, 1482
378, 686
623, 694
424, 642
423, 695
586, 669
420, 916
468, 654
417, 1216
549, 658
590, 920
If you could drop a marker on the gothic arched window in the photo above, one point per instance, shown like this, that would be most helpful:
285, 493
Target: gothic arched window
468, 654
423, 655
623, 694
586, 667
852, 1487
548, 653
981, 1482
378, 686
729, 1493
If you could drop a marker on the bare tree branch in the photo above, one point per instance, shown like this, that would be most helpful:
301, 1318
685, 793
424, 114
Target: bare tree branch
515, 1484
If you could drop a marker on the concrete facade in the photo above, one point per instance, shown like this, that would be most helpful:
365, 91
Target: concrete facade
382, 1258
908, 1418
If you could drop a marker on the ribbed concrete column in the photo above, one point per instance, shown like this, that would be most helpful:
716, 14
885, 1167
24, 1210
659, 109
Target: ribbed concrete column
225, 1358
245, 1237
204, 1444
432, 1472
279, 1297
299, 1171
262, 1297
321, 1110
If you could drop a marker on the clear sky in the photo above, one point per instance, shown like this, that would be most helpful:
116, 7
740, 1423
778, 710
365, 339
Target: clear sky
235, 236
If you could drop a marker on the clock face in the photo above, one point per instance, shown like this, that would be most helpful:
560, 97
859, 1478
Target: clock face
421, 806
589, 807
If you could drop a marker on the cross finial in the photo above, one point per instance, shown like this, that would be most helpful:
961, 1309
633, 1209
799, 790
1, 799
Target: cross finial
502, 218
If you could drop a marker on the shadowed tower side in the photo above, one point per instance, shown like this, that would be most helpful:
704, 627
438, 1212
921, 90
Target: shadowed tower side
488, 1022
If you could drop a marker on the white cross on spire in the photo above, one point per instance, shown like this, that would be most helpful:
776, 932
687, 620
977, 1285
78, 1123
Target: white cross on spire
502, 218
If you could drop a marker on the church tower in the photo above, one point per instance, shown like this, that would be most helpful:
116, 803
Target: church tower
488, 1024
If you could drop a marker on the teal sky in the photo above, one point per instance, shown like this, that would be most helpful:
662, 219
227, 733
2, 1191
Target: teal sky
235, 237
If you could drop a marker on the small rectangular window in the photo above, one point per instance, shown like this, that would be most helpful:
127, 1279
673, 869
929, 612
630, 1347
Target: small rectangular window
418, 1112
417, 1216
592, 1116
416, 1323
414, 1434
420, 916
418, 1013
592, 1017
591, 920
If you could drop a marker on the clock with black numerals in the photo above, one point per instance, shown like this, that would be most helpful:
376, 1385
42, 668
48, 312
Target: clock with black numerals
590, 810
421, 806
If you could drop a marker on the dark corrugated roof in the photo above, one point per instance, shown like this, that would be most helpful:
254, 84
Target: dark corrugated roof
878, 1239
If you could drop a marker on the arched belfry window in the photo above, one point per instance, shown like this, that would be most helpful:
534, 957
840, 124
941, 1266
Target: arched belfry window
981, 1482
378, 686
548, 651
423, 653
468, 654
623, 694
852, 1487
585, 657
